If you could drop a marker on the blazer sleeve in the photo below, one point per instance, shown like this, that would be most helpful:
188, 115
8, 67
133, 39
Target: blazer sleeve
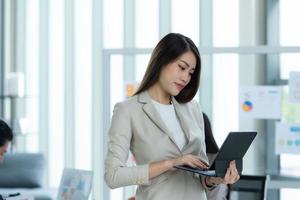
117, 174
198, 112
199, 115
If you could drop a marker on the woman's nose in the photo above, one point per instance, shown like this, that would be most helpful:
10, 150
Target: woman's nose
185, 77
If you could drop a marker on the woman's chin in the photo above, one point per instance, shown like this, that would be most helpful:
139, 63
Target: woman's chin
175, 93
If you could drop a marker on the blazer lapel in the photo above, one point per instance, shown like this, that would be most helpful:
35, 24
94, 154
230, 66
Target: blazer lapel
152, 113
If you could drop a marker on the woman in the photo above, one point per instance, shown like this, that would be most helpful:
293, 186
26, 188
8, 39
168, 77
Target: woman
163, 128
220, 192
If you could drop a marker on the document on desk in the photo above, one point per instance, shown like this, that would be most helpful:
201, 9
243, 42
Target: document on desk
20, 197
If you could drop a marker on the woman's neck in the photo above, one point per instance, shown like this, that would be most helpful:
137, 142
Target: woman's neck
159, 95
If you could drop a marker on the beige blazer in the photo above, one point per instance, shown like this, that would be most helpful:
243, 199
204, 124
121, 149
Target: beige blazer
137, 126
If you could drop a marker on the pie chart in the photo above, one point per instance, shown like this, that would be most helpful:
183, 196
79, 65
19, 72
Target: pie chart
247, 106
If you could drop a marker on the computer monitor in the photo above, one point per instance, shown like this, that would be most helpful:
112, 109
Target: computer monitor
75, 184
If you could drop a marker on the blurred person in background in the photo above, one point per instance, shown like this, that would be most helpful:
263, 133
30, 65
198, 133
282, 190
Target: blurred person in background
6, 136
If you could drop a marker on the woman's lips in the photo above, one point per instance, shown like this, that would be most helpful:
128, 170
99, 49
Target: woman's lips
179, 86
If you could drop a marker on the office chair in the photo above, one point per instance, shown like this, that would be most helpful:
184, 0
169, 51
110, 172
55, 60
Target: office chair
249, 188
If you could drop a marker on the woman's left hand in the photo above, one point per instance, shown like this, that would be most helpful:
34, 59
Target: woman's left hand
230, 177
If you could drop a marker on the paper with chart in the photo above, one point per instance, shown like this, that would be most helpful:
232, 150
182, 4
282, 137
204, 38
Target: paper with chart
287, 138
294, 87
260, 102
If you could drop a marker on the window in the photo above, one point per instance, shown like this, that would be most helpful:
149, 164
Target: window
56, 91
113, 31
225, 95
185, 18
226, 23
83, 83
116, 81
146, 20
289, 15
225, 69
289, 62
141, 63
32, 71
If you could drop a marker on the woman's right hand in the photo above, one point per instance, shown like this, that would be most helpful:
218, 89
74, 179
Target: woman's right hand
190, 160
159, 167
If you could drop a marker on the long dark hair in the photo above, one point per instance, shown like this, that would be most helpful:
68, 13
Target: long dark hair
6, 134
167, 50
211, 145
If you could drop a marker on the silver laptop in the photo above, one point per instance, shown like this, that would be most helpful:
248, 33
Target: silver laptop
75, 184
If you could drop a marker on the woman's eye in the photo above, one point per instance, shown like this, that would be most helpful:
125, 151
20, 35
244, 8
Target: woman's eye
181, 67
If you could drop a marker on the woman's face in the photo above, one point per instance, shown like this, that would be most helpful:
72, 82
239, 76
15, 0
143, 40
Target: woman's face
3, 150
177, 74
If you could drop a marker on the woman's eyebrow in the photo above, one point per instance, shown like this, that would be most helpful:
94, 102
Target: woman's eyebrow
185, 62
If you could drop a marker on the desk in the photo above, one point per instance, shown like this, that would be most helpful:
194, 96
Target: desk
20, 197
283, 181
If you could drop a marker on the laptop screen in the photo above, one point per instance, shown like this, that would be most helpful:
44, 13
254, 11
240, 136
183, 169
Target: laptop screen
236, 145
75, 184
